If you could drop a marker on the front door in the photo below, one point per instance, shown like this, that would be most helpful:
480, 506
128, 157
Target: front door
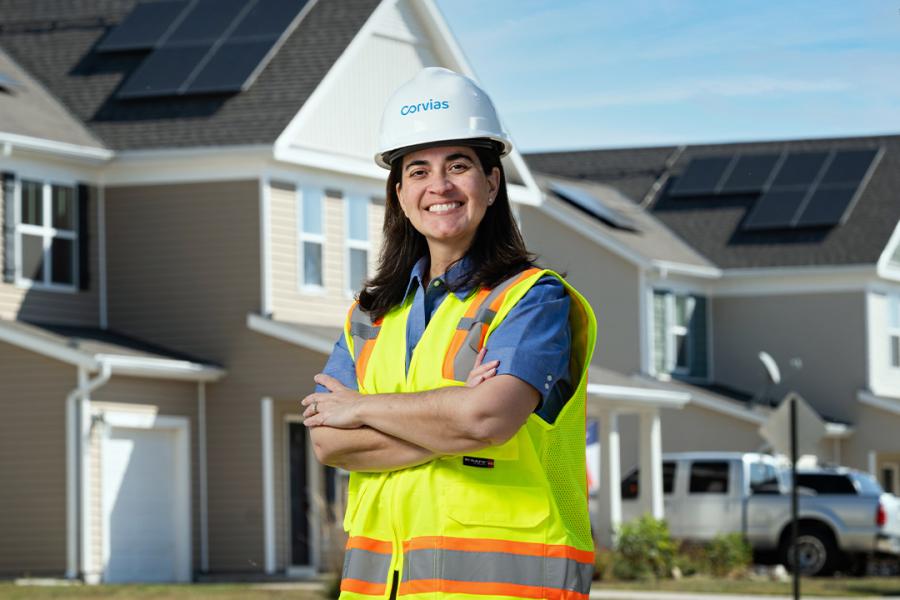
300, 539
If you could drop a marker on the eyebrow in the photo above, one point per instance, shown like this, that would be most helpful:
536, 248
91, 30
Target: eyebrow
451, 157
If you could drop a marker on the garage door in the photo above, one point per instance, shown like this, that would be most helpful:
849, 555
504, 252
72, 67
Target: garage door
142, 507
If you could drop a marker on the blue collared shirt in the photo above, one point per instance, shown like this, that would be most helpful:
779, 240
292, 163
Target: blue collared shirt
532, 343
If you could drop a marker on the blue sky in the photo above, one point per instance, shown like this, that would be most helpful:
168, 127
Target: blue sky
614, 73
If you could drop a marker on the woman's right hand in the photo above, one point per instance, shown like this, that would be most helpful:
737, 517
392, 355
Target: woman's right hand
481, 372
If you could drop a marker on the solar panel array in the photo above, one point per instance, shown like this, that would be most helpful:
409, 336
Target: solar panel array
590, 204
200, 46
797, 189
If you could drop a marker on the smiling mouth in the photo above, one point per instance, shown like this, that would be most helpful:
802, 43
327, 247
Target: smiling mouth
443, 208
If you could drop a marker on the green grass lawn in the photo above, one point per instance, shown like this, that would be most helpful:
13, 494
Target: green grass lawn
826, 586
847, 587
239, 591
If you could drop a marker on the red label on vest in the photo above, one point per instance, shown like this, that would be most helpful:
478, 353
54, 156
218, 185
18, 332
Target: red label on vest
482, 463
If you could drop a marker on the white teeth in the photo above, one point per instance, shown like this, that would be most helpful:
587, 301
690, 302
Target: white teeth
438, 208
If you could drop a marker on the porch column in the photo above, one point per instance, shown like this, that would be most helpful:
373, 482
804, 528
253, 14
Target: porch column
268, 474
610, 475
651, 482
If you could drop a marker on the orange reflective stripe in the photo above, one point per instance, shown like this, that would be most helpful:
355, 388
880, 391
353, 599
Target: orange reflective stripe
459, 336
370, 544
364, 360
498, 301
488, 545
425, 586
363, 587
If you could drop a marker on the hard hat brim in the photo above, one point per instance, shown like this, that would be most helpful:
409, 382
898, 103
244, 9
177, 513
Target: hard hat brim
385, 159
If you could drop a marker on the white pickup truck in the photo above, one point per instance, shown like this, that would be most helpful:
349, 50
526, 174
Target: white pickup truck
845, 517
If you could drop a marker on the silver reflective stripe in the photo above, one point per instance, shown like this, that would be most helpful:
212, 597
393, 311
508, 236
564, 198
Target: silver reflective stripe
464, 361
361, 330
498, 567
366, 566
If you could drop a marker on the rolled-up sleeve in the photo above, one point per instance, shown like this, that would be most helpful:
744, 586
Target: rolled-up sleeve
533, 342
340, 365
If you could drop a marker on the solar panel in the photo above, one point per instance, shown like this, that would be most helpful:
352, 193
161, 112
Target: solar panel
827, 207
775, 210
144, 26
230, 67
701, 177
849, 167
163, 72
268, 18
216, 46
799, 168
588, 203
206, 22
749, 174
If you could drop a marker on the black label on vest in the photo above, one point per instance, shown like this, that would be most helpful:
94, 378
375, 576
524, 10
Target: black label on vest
482, 463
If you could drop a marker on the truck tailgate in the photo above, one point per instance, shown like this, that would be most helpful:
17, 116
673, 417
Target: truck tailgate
891, 506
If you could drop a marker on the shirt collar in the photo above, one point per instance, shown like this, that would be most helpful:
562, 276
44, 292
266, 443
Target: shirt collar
456, 273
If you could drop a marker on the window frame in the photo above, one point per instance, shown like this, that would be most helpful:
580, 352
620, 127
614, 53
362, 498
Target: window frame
313, 238
47, 234
894, 468
893, 329
351, 244
672, 331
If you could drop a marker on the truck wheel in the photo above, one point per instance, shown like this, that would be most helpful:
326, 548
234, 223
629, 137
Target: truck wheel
817, 551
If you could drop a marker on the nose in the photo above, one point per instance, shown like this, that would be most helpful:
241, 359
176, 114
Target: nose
440, 184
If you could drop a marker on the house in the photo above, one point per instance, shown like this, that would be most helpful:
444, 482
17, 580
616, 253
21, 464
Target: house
189, 203
700, 257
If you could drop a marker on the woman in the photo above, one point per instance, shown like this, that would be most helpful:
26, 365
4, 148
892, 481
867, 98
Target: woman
464, 490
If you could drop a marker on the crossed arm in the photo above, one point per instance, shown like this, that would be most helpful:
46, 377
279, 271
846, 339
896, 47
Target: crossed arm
384, 432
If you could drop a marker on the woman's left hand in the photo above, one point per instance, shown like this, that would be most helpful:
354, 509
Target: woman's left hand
337, 409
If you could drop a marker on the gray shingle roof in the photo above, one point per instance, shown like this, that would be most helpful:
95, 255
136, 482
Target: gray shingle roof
27, 109
53, 40
711, 226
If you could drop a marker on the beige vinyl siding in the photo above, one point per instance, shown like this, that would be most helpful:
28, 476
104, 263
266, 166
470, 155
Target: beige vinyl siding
164, 398
610, 284
818, 341
184, 272
290, 302
69, 308
875, 430
33, 393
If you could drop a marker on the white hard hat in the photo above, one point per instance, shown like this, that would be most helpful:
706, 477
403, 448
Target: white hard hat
437, 105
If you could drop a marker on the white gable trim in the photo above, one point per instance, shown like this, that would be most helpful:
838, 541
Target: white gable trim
795, 280
50, 349
887, 404
885, 269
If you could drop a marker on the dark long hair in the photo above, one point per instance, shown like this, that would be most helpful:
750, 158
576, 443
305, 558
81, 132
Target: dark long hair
497, 251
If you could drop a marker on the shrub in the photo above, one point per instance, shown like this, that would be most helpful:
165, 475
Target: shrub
728, 555
603, 563
644, 550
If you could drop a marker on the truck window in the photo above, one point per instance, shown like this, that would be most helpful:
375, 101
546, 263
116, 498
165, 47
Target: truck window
709, 478
631, 484
763, 478
826, 483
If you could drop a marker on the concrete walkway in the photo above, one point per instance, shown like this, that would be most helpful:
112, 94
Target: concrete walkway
635, 595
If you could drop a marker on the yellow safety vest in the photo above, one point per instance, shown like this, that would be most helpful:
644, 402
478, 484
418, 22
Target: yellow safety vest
508, 521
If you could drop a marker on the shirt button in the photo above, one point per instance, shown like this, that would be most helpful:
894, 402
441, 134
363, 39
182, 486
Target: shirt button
546, 386
437, 283
549, 377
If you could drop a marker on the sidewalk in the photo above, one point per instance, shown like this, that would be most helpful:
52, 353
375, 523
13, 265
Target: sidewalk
634, 595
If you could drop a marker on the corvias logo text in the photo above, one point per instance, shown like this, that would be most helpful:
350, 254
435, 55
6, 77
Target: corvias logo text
432, 104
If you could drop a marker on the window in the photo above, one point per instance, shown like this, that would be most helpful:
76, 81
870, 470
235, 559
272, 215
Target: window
47, 235
709, 478
763, 478
631, 484
311, 238
894, 330
890, 477
822, 483
357, 242
679, 328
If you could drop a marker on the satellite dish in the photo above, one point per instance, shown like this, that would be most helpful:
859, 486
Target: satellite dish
771, 367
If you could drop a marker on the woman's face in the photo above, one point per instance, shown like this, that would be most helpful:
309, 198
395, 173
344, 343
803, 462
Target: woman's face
444, 193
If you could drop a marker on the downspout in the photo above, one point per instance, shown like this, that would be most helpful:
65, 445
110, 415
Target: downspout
75, 491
